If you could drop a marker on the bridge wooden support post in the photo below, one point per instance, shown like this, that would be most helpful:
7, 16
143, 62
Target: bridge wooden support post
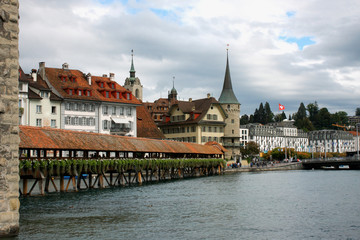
90, 180
41, 189
139, 178
47, 183
25, 187
62, 185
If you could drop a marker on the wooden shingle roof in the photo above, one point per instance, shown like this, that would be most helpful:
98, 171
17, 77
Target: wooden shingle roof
59, 139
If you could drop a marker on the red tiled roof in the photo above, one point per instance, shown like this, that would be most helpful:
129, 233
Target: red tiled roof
146, 126
54, 76
55, 139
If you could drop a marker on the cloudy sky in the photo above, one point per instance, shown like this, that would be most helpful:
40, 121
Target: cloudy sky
280, 51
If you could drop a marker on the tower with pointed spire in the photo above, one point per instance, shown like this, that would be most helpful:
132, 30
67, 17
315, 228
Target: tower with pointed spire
172, 95
133, 83
229, 102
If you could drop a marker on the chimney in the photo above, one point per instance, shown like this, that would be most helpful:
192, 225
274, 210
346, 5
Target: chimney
88, 78
190, 99
34, 75
104, 75
112, 76
208, 95
65, 66
42, 70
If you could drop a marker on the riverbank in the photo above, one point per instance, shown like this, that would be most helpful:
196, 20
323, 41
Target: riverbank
275, 167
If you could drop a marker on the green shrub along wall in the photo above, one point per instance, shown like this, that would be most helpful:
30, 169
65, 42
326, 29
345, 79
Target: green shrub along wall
73, 167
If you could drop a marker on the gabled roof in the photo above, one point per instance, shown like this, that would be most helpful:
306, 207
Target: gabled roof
55, 75
146, 126
199, 107
57, 139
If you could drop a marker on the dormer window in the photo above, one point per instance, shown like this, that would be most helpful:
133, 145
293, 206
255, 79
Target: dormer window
80, 92
128, 96
101, 84
88, 93
112, 85
107, 94
70, 92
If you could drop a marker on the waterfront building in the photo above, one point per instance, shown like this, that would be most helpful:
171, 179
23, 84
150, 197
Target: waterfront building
229, 102
332, 141
197, 121
353, 120
38, 105
92, 103
133, 83
275, 135
244, 136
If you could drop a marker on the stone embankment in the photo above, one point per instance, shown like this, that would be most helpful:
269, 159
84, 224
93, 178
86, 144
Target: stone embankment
269, 167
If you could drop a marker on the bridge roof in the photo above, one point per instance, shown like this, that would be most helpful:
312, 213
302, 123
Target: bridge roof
59, 139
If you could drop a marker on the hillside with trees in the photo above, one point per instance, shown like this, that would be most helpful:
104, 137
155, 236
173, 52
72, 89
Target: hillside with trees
308, 118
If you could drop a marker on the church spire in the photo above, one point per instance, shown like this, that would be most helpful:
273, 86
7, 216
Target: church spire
227, 95
132, 69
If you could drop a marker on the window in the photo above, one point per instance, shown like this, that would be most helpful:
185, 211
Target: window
72, 121
232, 131
83, 107
20, 86
38, 108
67, 106
208, 116
215, 117
76, 107
44, 94
204, 129
105, 109
81, 121
53, 110
193, 139
203, 139
53, 123
92, 108
128, 96
128, 111
107, 95
210, 129
105, 124
20, 103
70, 92
38, 122
232, 121
117, 95
193, 129
113, 110
79, 92
121, 111
215, 129
209, 139
67, 121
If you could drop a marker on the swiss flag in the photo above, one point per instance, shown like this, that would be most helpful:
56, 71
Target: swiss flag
281, 107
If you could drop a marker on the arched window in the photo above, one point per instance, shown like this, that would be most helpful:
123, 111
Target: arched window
137, 93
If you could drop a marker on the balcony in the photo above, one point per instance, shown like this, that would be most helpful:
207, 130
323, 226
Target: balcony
231, 144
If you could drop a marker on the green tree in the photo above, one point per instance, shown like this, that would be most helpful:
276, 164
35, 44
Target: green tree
357, 112
244, 119
250, 150
340, 118
269, 115
301, 113
262, 114
324, 120
313, 110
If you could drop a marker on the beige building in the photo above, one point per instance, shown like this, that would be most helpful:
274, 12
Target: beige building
198, 121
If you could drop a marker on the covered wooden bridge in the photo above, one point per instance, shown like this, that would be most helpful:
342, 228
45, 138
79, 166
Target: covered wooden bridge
91, 160
38, 142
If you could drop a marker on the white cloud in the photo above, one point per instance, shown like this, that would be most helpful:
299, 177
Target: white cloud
189, 40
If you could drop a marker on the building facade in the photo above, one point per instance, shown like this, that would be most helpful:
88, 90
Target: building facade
332, 141
198, 121
91, 103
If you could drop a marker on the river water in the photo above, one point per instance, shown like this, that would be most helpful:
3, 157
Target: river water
264, 205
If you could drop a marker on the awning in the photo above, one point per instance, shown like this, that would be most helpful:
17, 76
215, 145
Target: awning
120, 120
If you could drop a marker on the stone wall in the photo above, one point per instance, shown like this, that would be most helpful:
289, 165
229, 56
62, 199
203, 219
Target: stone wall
9, 117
